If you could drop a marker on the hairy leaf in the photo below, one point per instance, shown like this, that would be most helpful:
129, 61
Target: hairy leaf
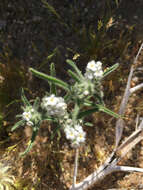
18, 124
110, 69
34, 134
24, 99
54, 80
53, 74
74, 76
73, 65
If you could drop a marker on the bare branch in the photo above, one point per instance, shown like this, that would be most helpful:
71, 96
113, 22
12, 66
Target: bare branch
137, 122
92, 179
128, 91
141, 125
120, 123
127, 169
130, 142
75, 166
134, 89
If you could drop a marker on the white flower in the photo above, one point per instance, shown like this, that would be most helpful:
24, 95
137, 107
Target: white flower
52, 100
81, 137
71, 134
78, 128
27, 116
89, 75
98, 74
54, 105
75, 134
98, 64
91, 66
94, 70
86, 92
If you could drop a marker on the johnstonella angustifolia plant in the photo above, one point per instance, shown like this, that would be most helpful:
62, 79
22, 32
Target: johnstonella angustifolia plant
84, 96
81, 98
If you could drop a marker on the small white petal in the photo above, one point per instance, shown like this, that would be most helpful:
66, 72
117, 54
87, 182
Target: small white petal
91, 66
27, 116
99, 64
86, 92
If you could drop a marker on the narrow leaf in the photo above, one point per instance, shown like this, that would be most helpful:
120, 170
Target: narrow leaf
18, 116
53, 74
75, 111
73, 65
18, 124
24, 99
100, 99
48, 58
74, 76
34, 134
87, 112
88, 124
110, 69
55, 131
36, 103
67, 97
106, 110
54, 80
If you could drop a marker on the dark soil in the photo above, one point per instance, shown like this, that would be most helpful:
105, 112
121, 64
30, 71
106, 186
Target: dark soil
29, 34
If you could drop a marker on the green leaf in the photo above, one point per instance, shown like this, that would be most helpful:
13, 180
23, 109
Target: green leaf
100, 99
88, 124
110, 69
73, 65
34, 134
18, 116
18, 124
75, 111
109, 112
87, 112
67, 97
53, 74
24, 99
55, 131
36, 103
74, 76
48, 119
48, 58
51, 79
88, 103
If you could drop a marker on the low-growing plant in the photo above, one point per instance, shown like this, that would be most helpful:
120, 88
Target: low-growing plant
82, 97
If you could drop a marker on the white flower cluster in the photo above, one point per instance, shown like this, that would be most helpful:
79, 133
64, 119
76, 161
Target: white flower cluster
55, 106
74, 133
27, 116
94, 70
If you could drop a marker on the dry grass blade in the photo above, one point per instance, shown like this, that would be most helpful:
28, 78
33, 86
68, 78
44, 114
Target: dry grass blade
6, 179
